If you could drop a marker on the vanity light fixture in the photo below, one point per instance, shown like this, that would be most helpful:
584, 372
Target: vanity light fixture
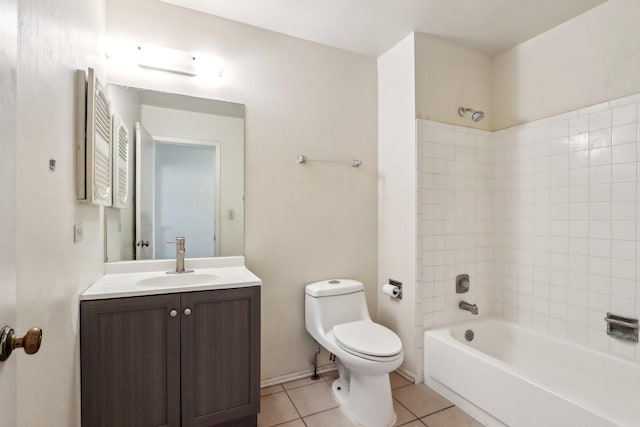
167, 59
162, 58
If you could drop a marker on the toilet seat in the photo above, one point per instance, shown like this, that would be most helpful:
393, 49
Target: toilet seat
368, 340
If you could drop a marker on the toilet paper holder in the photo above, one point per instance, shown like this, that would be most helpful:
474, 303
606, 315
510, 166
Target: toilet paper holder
398, 285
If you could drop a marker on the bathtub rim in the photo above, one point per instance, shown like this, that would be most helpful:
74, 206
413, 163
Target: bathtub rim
443, 334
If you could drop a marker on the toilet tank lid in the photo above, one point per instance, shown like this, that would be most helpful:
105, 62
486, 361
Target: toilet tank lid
331, 287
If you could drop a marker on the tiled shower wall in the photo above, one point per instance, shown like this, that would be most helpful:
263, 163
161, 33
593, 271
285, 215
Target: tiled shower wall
543, 216
570, 208
455, 224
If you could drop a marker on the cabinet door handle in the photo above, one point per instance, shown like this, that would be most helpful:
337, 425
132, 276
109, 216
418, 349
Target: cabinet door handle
173, 313
187, 311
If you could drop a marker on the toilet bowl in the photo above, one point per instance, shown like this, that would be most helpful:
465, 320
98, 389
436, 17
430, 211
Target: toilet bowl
337, 317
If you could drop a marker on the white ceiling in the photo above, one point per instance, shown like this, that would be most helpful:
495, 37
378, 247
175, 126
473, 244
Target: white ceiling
370, 27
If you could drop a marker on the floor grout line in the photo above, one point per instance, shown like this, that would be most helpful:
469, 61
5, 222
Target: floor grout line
315, 413
300, 417
400, 403
294, 406
439, 410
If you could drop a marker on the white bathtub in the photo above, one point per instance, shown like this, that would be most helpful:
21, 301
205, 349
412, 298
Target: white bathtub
511, 375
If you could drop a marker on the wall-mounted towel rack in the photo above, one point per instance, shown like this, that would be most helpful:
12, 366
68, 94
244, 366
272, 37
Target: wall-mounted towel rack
304, 159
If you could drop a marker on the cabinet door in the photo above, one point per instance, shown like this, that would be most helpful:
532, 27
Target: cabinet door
220, 356
130, 361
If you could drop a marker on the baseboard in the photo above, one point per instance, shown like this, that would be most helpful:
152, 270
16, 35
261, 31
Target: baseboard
296, 375
408, 375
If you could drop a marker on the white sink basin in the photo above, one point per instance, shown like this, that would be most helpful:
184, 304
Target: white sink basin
148, 277
172, 280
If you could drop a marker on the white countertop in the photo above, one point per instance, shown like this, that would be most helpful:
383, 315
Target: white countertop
136, 278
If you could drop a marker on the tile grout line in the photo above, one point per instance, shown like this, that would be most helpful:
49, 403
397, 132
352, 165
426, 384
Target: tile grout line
408, 410
294, 406
321, 379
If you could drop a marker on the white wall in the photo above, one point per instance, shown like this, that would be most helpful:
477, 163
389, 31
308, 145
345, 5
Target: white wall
397, 193
590, 59
55, 38
449, 76
229, 131
8, 54
303, 223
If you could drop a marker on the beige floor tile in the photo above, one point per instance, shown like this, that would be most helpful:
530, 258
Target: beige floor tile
452, 417
313, 398
299, 383
330, 418
294, 423
397, 380
403, 415
414, 423
265, 391
420, 399
276, 409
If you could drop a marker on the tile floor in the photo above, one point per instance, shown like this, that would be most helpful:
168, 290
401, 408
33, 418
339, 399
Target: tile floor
310, 403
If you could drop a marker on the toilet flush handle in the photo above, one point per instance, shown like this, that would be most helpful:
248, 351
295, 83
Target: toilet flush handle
9, 341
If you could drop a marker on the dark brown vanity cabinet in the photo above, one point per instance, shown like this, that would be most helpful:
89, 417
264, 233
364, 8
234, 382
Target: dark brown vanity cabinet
174, 360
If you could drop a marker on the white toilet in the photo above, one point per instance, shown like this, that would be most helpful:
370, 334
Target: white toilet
336, 315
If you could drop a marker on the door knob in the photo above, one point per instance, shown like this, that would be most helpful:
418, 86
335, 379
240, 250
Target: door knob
9, 341
144, 243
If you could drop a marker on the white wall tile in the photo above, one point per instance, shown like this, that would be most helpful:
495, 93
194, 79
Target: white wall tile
600, 138
623, 153
624, 114
600, 119
624, 134
543, 215
578, 125
623, 172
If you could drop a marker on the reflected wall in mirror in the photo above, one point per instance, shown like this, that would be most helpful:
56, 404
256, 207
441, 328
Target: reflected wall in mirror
187, 177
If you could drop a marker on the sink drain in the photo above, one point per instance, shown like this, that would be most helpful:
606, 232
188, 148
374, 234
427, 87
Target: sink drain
469, 335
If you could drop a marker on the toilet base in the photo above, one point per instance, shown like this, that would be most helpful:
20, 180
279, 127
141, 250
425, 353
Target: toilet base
365, 400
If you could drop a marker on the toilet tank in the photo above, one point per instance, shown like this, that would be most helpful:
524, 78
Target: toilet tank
331, 302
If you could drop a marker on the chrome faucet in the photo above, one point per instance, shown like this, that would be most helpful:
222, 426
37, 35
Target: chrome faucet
179, 257
472, 308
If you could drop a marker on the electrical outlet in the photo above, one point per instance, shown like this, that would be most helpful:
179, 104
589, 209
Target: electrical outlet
78, 233
232, 214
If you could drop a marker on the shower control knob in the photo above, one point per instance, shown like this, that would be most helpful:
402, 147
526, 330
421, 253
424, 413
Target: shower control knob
187, 311
9, 341
173, 313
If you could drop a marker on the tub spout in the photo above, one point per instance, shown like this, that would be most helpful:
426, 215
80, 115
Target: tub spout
472, 308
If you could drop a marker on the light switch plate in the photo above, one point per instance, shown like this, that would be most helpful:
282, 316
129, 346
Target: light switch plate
78, 233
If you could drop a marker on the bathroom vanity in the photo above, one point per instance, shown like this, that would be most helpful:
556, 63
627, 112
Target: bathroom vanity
171, 350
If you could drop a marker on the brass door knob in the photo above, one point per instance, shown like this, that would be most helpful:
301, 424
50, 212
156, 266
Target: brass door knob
9, 341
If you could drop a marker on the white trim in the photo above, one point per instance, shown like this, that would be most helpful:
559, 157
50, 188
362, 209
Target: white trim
406, 375
186, 141
296, 376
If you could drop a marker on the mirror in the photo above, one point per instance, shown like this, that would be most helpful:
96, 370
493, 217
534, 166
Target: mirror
185, 177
